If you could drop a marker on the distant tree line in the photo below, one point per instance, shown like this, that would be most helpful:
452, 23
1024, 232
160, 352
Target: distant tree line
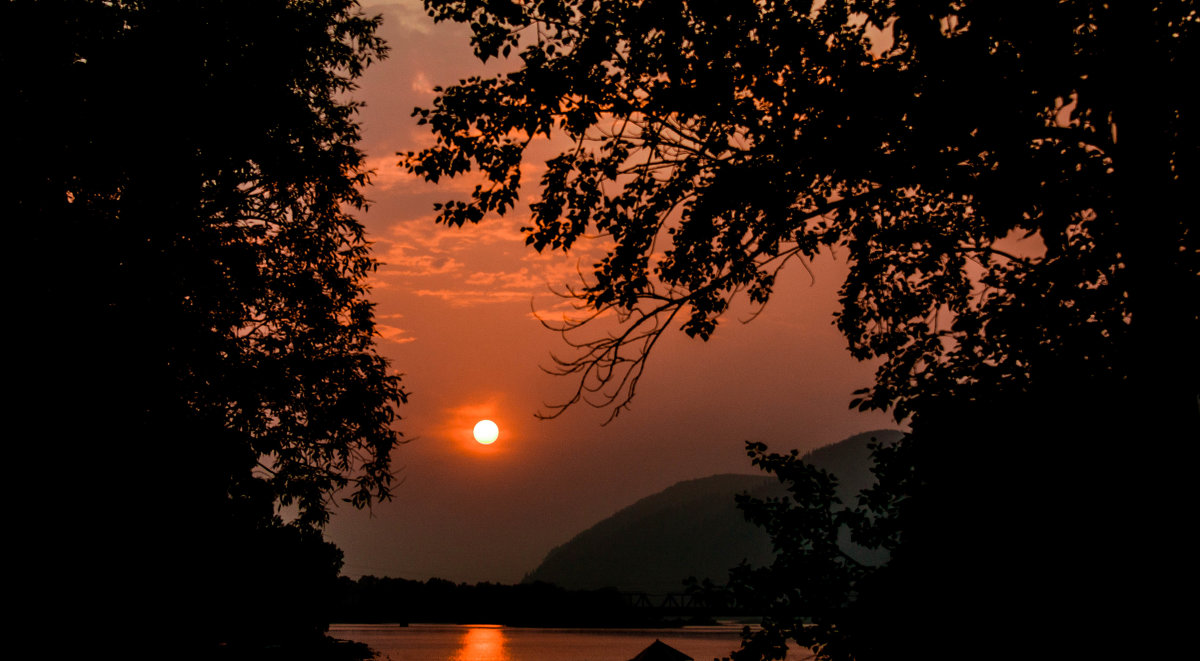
374, 599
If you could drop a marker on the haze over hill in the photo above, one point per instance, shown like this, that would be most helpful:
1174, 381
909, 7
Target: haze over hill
692, 528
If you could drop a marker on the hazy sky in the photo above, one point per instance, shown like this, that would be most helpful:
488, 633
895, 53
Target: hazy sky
454, 307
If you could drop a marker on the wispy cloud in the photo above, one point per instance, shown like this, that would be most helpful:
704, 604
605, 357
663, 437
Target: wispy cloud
469, 297
483, 264
393, 334
386, 174
521, 279
400, 265
421, 83
407, 13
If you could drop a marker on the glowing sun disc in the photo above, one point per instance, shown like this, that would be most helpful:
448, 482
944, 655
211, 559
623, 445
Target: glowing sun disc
486, 432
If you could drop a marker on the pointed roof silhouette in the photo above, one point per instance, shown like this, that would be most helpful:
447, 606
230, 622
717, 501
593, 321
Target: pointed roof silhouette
660, 651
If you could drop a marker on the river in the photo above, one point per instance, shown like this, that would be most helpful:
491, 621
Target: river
468, 642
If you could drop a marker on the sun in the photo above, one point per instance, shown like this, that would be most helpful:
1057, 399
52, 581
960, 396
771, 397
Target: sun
486, 432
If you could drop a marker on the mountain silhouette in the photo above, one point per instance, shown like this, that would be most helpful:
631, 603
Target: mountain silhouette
692, 528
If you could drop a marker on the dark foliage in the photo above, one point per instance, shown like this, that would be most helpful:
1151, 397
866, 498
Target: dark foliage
912, 137
714, 142
202, 350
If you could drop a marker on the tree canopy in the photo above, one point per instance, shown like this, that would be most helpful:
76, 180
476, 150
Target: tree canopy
913, 137
1008, 182
187, 177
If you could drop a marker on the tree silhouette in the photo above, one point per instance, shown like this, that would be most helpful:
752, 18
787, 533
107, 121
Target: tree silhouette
187, 173
714, 142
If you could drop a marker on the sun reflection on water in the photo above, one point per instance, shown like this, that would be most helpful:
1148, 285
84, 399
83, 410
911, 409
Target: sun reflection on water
482, 643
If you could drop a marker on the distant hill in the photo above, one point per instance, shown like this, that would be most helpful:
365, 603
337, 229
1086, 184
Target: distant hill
692, 528
850, 461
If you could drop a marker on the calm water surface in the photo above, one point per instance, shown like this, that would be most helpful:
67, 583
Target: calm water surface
448, 642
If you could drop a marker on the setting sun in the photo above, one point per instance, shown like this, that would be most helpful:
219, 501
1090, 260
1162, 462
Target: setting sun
486, 432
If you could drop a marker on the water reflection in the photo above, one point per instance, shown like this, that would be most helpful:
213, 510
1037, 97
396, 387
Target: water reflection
482, 643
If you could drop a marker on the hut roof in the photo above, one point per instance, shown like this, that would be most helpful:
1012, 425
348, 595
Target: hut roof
660, 651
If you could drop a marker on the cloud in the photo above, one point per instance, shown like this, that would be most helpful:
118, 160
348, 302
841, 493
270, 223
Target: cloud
409, 14
521, 279
400, 265
421, 84
386, 174
470, 297
562, 312
433, 261
393, 334
422, 236
481, 264
473, 412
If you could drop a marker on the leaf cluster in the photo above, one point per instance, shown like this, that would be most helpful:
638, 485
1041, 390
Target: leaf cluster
810, 593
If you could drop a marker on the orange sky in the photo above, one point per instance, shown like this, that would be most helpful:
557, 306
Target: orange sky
454, 311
